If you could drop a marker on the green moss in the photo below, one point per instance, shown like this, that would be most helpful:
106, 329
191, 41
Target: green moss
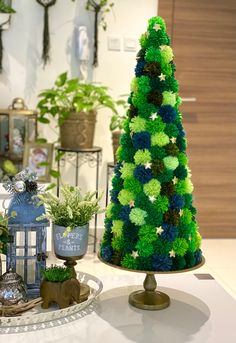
57, 273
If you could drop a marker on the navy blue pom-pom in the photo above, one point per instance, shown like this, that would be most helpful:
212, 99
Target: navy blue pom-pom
108, 224
176, 201
161, 263
198, 256
181, 130
114, 196
141, 140
107, 253
124, 213
139, 68
167, 113
117, 169
142, 175
170, 232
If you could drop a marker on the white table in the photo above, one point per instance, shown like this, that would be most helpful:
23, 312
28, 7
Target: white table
201, 312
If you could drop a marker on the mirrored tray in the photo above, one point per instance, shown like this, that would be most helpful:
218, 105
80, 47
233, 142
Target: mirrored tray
37, 318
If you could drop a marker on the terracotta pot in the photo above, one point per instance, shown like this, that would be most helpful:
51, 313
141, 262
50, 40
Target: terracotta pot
115, 142
63, 294
77, 132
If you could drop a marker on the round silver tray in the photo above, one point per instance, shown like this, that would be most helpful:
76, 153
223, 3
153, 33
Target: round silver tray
37, 318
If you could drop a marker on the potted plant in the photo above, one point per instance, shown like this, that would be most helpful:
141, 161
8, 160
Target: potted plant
59, 286
74, 104
70, 215
5, 11
116, 126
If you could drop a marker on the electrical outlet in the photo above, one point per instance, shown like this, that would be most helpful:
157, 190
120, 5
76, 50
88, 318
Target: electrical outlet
130, 44
114, 42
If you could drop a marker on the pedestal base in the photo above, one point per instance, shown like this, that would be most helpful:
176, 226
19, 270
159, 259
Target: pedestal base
149, 300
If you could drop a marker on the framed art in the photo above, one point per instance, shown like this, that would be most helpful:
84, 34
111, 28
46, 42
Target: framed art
38, 157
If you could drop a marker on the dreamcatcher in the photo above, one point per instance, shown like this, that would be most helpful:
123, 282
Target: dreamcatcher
46, 37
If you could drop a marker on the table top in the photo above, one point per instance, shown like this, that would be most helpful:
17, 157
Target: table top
201, 311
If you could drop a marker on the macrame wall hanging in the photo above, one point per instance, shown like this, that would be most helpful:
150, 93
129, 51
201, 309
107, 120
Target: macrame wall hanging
99, 7
46, 36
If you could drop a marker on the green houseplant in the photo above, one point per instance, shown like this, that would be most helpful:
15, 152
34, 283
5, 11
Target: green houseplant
74, 105
59, 286
70, 215
5, 8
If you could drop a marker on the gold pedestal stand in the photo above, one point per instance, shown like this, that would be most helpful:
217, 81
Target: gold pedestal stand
149, 298
70, 261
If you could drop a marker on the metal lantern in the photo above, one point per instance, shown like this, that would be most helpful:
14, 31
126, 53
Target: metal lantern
26, 251
18, 125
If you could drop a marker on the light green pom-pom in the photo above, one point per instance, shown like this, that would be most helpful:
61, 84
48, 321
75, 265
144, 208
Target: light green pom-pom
118, 153
139, 99
183, 159
109, 209
148, 233
171, 162
143, 84
169, 98
144, 249
142, 156
143, 40
178, 101
117, 226
180, 246
166, 69
117, 242
186, 217
137, 124
125, 197
161, 204
153, 55
129, 262
152, 188
195, 242
127, 170
137, 216
160, 139
134, 85
184, 186
167, 54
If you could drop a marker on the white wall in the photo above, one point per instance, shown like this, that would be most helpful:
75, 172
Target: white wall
24, 76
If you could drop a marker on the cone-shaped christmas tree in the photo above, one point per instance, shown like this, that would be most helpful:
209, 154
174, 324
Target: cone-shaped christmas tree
150, 223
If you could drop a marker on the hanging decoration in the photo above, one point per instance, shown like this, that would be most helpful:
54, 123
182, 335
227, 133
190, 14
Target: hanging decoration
46, 37
82, 51
99, 8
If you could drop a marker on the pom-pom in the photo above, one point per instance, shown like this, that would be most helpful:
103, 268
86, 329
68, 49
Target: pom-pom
117, 183
161, 204
176, 201
117, 227
108, 224
183, 159
181, 172
156, 20
155, 126
144, 263
145, 110
117, 243
160, 139
153, 54
181, 130
171, 130
190, 259
107, 253
125, 197
157, 153
134, 85
140, 55
152, 69
157, 167
155, 97
166, 176
137, 216
188, 199
142, 174
125, 139
115, 211
198, 256
154, 217
137, 124
143, 84
161, 263
142, 156
184, 187
132, 112
181, 143
114, 196
143, 41
117, 169
129, 262
178, 263
170, 232
167, 113
142, 201
186, 217
162, 247
127, 170
139, 68
124, 213
144, 249
180, 246
141, 140
167, 54
109, 210
125, 153
167, 188
152, 188
171, 162
172, 149
132, 185
138, 99
148, 233
172, 217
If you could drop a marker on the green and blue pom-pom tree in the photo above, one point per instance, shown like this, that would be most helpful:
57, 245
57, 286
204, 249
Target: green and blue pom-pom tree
150, 222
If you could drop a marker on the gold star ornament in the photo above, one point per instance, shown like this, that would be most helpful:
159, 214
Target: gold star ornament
172, 253
157, 27
159, 230
134, 254
131, 203
162, 77
173, 139
153, 116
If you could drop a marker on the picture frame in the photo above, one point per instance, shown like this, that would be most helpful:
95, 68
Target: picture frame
34, 154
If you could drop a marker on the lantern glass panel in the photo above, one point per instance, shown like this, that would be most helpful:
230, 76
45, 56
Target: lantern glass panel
17, 135
31, 251
4, 134
20, 239
31, 272
20, 266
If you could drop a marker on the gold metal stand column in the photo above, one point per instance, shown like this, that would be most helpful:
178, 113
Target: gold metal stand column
149, 299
